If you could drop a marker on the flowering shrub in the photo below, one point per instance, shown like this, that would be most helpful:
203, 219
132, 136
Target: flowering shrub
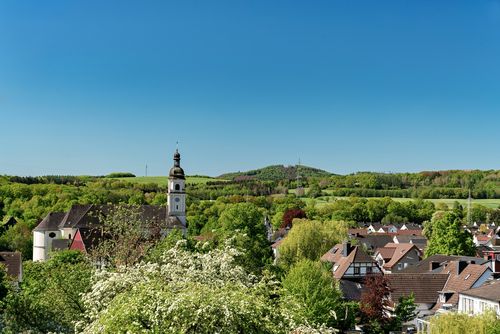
190, 292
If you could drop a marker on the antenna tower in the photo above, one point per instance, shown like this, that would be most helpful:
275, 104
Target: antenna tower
469, 209
300, 189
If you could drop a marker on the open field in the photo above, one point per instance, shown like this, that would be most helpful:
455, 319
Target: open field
162, 180
490, 203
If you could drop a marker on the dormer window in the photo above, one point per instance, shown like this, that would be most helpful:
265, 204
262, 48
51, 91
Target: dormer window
52, 235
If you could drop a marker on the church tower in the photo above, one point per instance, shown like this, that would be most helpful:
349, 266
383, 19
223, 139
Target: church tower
177, 191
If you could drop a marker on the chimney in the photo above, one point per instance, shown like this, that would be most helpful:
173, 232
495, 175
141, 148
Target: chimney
346, 248
461, 265
433, 265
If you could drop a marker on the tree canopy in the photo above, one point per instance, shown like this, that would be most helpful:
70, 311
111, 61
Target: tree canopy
447, 236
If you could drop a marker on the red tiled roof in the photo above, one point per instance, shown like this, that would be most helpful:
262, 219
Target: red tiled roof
335, 256
400, 250
461, 282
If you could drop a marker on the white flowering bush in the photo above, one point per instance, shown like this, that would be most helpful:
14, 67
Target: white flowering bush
189, 292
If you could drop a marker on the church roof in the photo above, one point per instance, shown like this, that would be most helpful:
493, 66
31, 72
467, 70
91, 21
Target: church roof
51, 222
176, 171
89, 215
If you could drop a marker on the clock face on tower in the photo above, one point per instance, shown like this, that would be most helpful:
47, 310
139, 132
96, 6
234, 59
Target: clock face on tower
177, 199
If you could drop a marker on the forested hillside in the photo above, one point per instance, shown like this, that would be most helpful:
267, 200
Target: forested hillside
277, 173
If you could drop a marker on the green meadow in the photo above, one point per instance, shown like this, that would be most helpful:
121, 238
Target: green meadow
490, 203
162, 180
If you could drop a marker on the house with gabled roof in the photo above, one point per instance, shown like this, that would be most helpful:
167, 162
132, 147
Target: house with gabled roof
350, 262
462, 276
395, 257
425, 288
478, 300
436, 263
73, 229
373, 241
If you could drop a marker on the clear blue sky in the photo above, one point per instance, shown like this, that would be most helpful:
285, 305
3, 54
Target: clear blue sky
91, 87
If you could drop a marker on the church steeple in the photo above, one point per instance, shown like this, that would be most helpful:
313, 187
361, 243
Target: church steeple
177, 171
176, 198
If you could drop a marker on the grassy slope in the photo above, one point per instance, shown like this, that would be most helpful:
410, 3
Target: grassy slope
162, 180
490, 203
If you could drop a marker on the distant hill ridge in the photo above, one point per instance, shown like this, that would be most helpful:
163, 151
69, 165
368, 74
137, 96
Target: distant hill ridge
275, 173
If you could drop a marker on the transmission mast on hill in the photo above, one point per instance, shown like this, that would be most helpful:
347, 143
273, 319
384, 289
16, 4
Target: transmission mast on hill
469, 200
300, 189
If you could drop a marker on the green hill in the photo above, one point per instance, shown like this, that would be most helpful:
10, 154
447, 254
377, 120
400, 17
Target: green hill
276, 172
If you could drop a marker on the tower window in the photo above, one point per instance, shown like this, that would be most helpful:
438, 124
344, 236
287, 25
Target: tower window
177, 187
177, 207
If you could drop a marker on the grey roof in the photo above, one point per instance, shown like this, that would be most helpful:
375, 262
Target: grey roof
51, 222
8, 223
374, 241
489, 291
173, 222
89, 215
424, 265
412, 238
351, 290
60, 244
13, 263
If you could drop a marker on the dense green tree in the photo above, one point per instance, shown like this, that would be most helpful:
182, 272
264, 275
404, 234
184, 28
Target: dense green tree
449, 237
313, 286
459, 323
244, 224
18, 238
309, 239
49, 297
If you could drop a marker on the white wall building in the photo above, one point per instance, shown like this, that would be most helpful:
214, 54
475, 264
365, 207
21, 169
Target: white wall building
58, 229
478, 300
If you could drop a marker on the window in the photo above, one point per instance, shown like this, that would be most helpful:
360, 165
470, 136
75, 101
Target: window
356, 270
368, 270
69, 236
177, 187
468, 305
52, 235
400, 266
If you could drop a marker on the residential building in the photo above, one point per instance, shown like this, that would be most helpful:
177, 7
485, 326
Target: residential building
396, 257
463, 276
478, 300
425, 288
350, 262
